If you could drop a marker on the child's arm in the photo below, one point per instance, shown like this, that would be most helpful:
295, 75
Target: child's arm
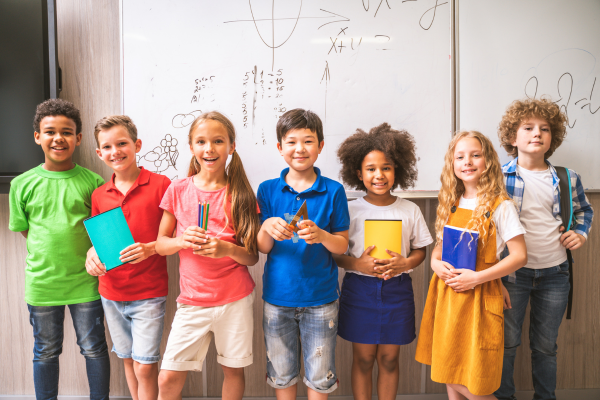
397, 264
167, 243
272, 229
24, 233
584, 214
137, 252
217, 248
516, 259
93, 265
365, 264
336, 242
442, 269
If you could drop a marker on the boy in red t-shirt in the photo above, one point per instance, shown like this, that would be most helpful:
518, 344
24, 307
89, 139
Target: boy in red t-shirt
133, 295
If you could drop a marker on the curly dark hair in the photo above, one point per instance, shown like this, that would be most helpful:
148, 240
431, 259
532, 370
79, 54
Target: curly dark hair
398, 146
520, 111
54, 107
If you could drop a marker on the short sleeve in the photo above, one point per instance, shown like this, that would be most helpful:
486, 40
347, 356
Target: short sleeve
99, 181
95, 208
18, 218
168, 201
420, 236
507, 221
340, 218
263, 206
166, 182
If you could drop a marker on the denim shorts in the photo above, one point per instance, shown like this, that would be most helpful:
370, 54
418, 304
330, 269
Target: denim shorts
307, 332
136, 327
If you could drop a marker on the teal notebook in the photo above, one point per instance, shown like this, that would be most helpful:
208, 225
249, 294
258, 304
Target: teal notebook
109, 234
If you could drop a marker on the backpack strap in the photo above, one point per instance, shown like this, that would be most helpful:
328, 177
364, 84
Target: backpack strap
566, 215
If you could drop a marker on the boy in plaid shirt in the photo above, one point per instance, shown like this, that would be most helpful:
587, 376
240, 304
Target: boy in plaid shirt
531, 130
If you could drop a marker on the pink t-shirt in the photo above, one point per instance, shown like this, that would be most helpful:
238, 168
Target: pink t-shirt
205, 281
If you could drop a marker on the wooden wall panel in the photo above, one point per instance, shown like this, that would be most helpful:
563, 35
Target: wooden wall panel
89, 56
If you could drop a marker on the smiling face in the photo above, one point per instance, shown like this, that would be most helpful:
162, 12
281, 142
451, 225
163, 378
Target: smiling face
58, 138
533, 137
469, 162
211, 146
300, 149
117, 149
377, 173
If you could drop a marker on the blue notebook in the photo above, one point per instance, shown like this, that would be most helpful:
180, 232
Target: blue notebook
109, 234
460, 253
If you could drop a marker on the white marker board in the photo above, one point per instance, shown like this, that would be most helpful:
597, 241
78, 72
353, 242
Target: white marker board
355, 63
515, 49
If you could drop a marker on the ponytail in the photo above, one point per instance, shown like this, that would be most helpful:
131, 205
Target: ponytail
239, 191
243, 205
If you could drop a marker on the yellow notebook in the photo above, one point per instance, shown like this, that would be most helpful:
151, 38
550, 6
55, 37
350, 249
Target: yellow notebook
384, 234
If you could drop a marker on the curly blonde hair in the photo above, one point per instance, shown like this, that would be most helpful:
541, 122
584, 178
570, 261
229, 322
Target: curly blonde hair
520, 111
489, 188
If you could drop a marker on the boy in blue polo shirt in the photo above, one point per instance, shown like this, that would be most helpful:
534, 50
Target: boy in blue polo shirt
300, 281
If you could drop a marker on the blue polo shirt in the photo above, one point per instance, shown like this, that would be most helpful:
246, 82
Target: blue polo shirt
300, 274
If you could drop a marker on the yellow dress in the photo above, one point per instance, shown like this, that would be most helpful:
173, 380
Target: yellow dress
462, 334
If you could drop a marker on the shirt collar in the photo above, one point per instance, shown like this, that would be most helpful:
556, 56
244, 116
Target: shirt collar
511, 167
142, 179
318, 186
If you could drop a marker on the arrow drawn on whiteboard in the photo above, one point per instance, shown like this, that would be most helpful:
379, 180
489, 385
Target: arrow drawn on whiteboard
345, 19
327, 78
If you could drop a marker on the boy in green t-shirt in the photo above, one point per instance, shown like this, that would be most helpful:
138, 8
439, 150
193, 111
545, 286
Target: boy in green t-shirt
48, 205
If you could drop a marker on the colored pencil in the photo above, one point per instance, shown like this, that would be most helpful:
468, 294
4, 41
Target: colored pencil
206, 223
199, 213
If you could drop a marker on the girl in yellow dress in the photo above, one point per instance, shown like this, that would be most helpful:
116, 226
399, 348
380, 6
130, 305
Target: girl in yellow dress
462, 331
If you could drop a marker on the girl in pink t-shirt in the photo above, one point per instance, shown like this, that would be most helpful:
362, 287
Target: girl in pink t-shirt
216, 288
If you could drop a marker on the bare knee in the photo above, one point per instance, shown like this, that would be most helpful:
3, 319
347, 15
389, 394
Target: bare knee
388, 362
146, 371
170, 382
233, 373
364, 361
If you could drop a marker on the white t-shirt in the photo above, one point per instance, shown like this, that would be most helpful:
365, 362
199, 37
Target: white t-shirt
414, 229
543, 236
505, 218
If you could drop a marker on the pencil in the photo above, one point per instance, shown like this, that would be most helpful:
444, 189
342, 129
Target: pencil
200, 213
206, 223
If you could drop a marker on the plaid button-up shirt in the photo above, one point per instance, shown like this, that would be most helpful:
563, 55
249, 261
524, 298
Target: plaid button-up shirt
583, 212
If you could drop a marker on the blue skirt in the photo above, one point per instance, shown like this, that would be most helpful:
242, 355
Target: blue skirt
374, 311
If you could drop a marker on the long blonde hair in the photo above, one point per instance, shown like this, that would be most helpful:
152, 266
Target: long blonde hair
489, 188
239, 191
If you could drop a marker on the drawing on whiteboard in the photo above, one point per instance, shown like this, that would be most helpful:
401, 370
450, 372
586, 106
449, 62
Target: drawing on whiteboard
376, 11
434, 8
327, 78
565, 82
273, 19
161, 158
183, 120
589, 105
383, 36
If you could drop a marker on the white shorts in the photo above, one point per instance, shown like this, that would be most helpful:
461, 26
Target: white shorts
193, 327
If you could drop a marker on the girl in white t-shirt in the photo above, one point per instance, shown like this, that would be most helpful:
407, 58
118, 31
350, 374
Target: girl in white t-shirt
462, 334
216, 288
377, 309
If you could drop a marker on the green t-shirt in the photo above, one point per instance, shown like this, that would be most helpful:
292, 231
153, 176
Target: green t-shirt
52, 206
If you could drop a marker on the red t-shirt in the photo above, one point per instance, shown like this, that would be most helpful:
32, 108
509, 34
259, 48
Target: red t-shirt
205, 281
140, 205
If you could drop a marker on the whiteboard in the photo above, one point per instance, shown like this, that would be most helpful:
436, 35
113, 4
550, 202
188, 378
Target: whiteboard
356, 64
515, 49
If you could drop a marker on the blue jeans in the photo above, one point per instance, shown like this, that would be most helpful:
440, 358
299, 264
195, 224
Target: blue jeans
48, 332
548, 291
310, 332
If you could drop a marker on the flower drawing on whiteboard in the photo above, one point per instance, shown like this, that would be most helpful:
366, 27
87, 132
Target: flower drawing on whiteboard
161, 158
